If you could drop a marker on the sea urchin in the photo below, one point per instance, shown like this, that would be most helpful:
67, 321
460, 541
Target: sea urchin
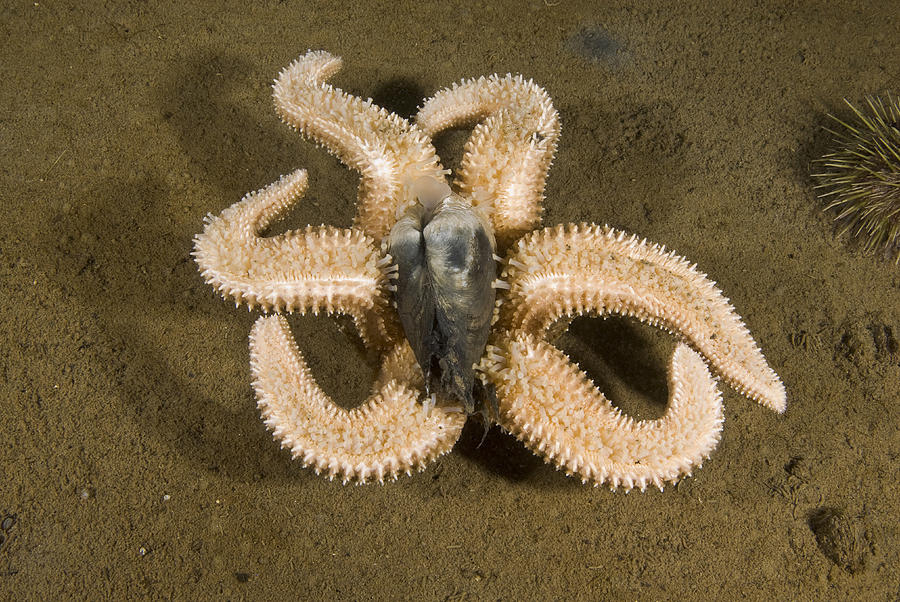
860, 179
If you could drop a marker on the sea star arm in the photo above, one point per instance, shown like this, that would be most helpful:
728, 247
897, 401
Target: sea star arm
387, 150
570, 270
507, 157
551, 405
388, 434
318, 269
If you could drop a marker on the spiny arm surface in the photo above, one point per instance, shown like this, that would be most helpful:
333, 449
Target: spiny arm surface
384, 148
571, 270
314, 269
387, 435
554, 408
507, 157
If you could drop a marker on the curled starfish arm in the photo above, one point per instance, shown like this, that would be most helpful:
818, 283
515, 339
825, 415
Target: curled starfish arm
551, 405
570, 270
387, 150
387, 435
314, 269
507, 157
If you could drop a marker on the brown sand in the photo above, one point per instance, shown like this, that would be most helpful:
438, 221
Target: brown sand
133, 460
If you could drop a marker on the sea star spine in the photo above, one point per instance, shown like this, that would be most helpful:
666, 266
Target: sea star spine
387, 435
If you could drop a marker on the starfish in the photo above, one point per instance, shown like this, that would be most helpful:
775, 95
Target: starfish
547, 276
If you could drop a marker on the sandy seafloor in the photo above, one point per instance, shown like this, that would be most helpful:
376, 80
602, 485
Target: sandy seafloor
133, 462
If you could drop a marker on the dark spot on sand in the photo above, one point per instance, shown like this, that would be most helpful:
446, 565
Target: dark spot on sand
839, 538
596, 44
